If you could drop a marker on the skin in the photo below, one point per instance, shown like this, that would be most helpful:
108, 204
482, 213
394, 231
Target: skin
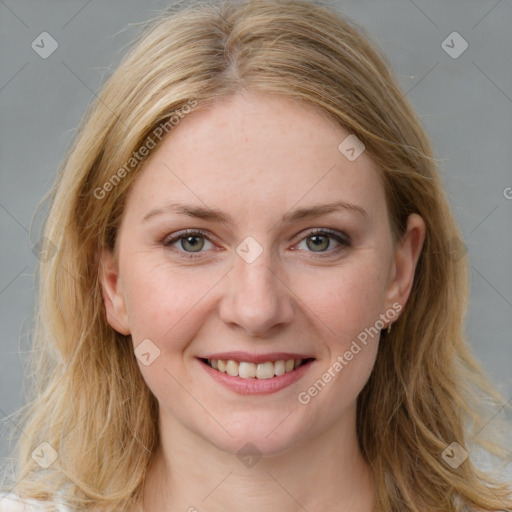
257, 157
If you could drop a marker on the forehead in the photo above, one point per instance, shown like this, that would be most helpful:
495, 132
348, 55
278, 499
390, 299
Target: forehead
256, 153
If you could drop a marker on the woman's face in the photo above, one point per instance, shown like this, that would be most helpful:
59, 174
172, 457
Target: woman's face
251, 237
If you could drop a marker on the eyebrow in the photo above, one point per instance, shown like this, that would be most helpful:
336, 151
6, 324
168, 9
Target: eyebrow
211, 214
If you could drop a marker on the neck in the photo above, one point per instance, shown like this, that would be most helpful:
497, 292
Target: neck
327, 472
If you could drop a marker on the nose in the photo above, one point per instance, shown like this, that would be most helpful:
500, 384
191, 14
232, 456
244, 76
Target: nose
257, 300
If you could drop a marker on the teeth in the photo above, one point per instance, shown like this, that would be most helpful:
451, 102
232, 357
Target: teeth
279, 367
247, 370
232, 368
265, 370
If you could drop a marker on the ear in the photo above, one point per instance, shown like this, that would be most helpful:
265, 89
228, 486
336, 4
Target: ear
406, 257
113, 297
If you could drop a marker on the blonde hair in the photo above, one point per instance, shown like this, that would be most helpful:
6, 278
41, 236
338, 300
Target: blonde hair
90, 402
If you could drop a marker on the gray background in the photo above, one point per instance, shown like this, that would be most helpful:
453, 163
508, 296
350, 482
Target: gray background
464, 103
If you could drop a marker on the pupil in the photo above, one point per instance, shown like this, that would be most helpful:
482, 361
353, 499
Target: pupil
319, 242
195, 243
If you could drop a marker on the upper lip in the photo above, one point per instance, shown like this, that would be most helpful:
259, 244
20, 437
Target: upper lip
256, 358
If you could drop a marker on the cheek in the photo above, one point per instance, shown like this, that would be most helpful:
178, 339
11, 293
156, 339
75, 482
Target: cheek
167, 305
346, 299
162, 298
347, 303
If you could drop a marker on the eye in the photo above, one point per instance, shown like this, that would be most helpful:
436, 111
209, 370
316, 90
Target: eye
323, 240
188, 241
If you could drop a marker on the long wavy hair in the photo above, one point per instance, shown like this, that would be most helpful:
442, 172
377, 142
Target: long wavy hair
88, 399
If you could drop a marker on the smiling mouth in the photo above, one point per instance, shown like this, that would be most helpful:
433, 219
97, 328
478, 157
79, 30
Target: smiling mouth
246, 370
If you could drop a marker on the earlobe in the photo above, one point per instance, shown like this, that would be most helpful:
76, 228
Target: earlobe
113, 297
406, 258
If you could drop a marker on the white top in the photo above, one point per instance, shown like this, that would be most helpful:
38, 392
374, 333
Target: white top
12, 503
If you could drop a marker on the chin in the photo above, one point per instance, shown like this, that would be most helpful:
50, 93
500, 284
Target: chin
258, 436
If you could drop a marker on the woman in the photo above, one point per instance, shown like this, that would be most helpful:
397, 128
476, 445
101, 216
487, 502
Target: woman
253, 302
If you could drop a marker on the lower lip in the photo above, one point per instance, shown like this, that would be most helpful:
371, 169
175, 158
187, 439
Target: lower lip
253, 386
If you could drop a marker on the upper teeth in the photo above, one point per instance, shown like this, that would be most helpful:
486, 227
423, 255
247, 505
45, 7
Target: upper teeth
259, 371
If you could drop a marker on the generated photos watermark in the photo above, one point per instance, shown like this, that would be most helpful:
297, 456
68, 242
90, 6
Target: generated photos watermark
137, 156
304, 397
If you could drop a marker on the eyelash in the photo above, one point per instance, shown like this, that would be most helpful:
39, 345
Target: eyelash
341, 238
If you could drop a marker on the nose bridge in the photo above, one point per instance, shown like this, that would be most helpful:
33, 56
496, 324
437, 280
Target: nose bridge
258, 300
256, 280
